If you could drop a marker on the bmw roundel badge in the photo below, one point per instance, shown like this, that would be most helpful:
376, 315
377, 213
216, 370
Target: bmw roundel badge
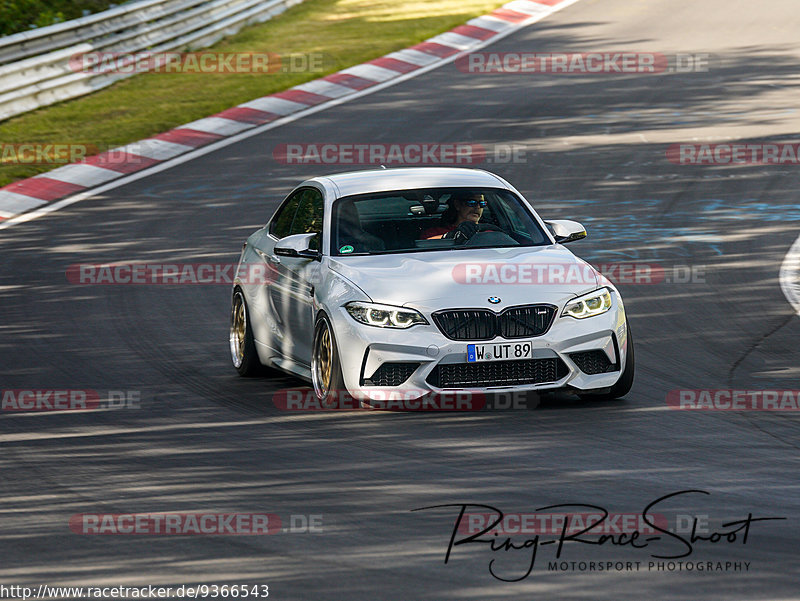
494, 299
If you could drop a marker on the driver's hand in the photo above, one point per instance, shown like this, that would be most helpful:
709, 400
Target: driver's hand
465, 231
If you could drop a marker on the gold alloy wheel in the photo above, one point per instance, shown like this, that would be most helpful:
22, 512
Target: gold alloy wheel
323, 361
238, 330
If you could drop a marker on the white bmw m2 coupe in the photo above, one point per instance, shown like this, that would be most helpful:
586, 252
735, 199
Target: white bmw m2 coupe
425, 281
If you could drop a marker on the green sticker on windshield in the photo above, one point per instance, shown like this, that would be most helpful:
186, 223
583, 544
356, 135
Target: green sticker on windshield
346, 249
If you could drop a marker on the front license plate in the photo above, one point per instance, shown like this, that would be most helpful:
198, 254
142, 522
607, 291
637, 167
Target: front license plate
501, 351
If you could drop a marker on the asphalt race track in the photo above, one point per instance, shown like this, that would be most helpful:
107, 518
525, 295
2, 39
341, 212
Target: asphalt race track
205, 440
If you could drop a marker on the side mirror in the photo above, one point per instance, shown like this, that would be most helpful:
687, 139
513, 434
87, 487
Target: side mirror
565, 230
297, 245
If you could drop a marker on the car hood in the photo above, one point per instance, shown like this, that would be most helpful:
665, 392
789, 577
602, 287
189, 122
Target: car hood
468, 278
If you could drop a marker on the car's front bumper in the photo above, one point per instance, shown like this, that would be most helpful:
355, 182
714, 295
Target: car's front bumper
363, 349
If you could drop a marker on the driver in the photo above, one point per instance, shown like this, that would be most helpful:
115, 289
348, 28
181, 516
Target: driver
463, 213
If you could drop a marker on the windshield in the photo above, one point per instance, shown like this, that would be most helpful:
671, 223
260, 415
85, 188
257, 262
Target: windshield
434, 219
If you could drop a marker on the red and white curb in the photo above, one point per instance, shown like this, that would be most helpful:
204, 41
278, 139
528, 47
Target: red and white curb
29, 198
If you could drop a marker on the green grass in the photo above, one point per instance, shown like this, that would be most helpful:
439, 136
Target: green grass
22, 15
347, 32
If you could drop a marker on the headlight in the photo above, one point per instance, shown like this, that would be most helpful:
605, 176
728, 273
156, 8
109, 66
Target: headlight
589, 305
384, 316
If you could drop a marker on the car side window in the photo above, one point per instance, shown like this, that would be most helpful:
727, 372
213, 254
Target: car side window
308, 218
282, 222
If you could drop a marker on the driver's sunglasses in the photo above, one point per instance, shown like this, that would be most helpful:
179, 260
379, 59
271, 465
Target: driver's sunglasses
475, 203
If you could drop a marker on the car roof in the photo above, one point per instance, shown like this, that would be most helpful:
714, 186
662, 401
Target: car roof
385, 180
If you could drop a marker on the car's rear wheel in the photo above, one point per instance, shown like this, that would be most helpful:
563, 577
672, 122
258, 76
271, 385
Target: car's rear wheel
242, 343
326, 369
625, 382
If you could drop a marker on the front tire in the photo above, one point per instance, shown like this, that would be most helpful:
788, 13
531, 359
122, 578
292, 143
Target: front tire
326, 368
625, 382
242, 343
